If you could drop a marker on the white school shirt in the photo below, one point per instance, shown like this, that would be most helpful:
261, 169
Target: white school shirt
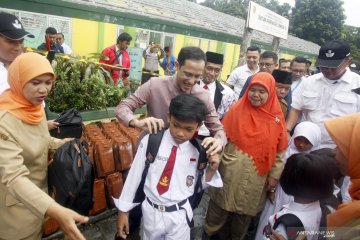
309, 214
183, 178
319, 99
238, 78
227, 100
3, 78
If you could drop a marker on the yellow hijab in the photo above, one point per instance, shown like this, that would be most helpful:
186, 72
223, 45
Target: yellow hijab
345, 131
24, 68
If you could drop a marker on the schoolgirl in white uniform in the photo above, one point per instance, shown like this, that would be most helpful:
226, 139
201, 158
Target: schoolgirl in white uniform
306, 138
308, 178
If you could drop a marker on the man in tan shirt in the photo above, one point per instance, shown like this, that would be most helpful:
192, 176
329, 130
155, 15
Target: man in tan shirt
158, 92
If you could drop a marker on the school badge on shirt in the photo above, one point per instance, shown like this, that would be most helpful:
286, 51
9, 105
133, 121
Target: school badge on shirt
189, 180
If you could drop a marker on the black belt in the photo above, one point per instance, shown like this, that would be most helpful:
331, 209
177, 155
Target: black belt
163, 208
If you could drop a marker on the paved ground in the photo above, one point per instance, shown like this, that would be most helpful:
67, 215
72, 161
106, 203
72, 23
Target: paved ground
103, 226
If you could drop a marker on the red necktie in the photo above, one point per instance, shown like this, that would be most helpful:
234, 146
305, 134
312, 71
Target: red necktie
206, 87
164, 181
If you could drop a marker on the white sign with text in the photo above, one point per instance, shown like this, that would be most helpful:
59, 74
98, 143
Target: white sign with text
264, 20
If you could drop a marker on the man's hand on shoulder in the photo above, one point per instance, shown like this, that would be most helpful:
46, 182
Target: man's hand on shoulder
215, 145
149, 124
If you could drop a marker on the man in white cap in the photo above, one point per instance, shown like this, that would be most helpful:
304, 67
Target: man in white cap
12, 36
333, 92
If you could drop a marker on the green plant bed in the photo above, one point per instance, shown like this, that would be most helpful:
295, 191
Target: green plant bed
95, 114
84, 85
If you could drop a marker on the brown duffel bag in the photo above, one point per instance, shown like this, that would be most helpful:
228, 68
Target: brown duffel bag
50, 226
99, 197
104, 158
114, 186
123, 153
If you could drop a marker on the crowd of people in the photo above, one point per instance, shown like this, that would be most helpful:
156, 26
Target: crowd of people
281, 144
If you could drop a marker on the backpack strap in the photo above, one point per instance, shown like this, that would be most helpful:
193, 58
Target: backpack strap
151, 152
202, 163
289, 220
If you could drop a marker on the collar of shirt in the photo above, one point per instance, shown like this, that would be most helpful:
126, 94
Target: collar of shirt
167, 137
211, 86
249, 70
346, 77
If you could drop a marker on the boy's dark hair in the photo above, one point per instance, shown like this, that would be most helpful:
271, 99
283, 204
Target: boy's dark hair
187, 107
166, 49
307, 176
50, 30
269, 54
190, 53
253, 48
299, 60
123, 37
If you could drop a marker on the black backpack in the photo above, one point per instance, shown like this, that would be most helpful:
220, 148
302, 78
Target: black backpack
70, 125
293, 226
151, 153
71, 178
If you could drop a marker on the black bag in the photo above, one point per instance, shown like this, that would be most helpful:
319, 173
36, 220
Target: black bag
292, 224
71, 178
70, 125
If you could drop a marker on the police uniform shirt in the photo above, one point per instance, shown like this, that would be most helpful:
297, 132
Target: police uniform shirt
151, 60
182, 181
320, 98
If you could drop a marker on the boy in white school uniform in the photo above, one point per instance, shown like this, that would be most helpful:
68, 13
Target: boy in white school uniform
171, 176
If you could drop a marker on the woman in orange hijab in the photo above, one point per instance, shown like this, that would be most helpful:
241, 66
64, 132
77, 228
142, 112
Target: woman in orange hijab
252, 161
24, 145
345, 131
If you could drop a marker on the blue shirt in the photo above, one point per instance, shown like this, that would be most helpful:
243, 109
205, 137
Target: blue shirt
164, 65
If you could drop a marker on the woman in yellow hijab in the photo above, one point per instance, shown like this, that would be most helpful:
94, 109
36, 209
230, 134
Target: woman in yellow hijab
345, 131
24, 145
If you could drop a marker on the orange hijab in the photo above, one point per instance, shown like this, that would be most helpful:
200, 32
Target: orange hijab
345, 131
258, 131
24, 68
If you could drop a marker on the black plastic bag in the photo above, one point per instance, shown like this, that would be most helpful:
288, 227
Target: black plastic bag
70, 125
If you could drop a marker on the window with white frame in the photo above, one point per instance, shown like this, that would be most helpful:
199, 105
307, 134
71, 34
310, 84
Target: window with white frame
144, 37
36, 24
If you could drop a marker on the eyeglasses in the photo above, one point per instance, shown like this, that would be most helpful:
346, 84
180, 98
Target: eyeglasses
265, 64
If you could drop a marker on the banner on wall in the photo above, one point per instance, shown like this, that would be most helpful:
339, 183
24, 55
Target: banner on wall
264, 20
136, 56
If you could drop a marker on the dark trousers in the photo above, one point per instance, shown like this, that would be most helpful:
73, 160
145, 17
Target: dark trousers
146, 76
